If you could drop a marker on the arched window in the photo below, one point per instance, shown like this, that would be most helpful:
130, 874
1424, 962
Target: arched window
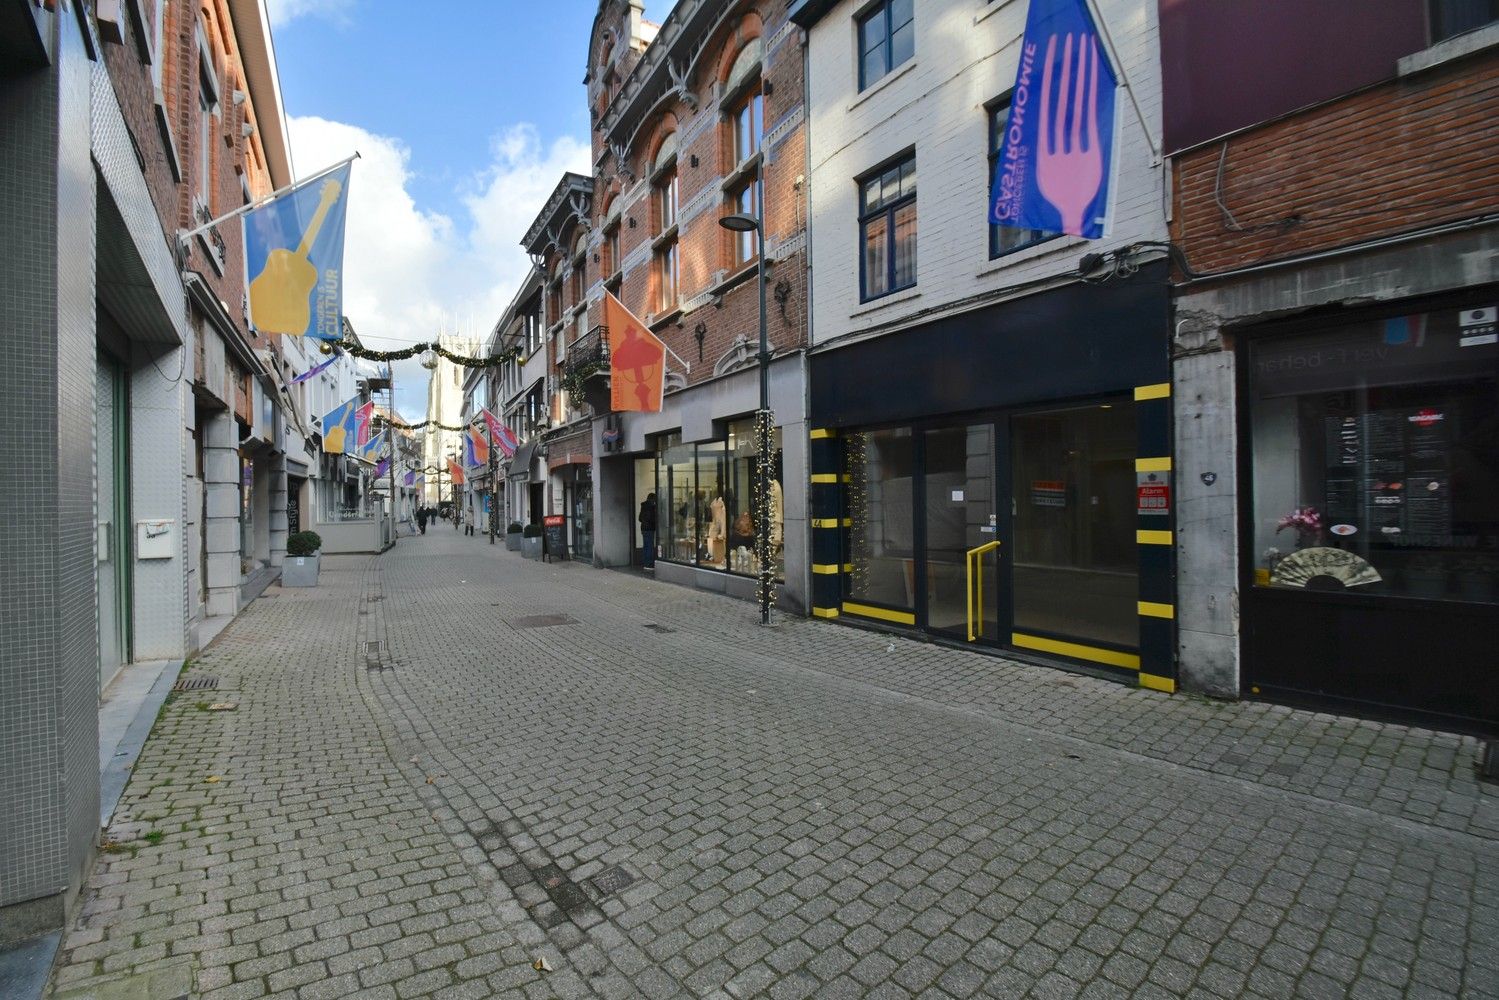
613, 261
667, 261
580, 251
744, 110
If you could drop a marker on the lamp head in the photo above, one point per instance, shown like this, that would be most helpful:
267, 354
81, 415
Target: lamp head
740, 223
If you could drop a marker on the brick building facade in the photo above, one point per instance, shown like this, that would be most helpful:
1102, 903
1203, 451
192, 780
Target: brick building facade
117, 336
695, 119
1335, 352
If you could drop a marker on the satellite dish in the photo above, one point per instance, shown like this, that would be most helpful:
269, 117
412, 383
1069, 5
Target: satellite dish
1323, 568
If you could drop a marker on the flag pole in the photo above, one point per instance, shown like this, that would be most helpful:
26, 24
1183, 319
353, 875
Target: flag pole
185, 237
494, 493
1113, 54
395, 506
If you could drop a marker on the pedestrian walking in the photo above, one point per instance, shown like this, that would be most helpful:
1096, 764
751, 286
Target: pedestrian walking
648, 532
421, 519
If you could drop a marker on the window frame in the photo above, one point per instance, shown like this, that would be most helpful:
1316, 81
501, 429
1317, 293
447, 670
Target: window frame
666, 253
1438, 32
886, 211
996, 149
750, 101
612, 259
745, 171
883, 9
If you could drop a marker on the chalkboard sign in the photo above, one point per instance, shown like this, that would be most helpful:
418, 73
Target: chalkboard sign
554, 533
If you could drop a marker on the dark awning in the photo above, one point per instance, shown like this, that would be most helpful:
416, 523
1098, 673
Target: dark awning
520, 465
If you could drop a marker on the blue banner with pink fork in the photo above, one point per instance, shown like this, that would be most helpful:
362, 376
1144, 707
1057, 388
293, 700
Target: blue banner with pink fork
1054, 171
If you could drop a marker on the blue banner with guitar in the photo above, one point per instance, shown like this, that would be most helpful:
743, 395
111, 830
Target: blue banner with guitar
294, 258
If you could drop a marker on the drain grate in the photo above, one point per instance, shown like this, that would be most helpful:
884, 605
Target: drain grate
612, 880
197, 682
374, 647
661, 629
543, 621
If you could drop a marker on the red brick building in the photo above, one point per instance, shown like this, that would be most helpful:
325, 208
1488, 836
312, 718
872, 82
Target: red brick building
1336, 357
693, 119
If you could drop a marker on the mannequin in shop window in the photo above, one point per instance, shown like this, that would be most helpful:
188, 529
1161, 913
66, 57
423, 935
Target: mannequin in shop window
718, 533
777, 513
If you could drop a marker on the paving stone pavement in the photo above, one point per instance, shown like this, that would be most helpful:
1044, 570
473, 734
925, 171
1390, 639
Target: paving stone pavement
447, 762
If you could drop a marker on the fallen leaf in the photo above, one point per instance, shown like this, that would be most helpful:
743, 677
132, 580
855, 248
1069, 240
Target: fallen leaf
212, 779
541, 964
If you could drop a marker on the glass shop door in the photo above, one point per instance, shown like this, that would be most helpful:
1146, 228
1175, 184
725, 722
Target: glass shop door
961, 581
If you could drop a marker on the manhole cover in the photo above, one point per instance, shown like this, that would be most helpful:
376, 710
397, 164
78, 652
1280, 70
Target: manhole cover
660, 628
612, 880
374, 646
197, 682
543, 621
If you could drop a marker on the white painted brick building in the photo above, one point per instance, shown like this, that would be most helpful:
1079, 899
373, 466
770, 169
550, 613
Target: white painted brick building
966, 55
990, 456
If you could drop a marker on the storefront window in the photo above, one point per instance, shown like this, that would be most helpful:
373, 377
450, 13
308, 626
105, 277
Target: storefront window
676, 501
1376, 458
744, 460
880, 465
712, 508
705, 511
1074, 557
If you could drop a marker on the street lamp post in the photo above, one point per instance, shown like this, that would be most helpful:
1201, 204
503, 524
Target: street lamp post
749, 224
494, 487
454, 459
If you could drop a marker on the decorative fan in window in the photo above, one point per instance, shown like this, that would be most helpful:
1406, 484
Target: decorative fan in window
1323, 568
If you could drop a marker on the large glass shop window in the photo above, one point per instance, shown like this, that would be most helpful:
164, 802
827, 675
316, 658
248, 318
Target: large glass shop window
1376, 458
705, 501
880, 465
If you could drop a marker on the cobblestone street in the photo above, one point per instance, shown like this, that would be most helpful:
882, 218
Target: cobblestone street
448, 762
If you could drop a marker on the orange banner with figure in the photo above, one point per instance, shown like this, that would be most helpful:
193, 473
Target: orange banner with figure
637, 361
456, 471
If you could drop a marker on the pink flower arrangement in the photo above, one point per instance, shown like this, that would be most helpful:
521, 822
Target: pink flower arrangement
1306, 520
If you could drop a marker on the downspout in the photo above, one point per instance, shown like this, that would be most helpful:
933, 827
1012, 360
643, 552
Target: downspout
806, 360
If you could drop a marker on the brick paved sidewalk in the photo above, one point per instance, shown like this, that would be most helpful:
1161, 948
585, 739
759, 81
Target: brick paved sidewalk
427, 785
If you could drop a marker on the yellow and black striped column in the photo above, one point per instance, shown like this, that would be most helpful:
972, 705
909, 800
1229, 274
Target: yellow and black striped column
826, 496
1155, 535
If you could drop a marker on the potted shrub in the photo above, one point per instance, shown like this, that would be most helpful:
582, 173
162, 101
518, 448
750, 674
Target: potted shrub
512, 536
301, 565
530, 545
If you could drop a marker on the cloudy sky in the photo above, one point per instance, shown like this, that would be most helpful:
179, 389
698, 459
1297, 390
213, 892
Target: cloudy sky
465, 114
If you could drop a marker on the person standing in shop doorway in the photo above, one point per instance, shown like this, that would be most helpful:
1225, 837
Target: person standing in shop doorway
648, 532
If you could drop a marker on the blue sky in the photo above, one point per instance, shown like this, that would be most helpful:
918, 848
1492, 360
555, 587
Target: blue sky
465, 113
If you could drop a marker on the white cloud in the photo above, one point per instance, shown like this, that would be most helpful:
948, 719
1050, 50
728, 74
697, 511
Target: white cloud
283, 11
412, 273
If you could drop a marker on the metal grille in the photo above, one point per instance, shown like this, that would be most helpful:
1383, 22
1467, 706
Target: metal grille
543, 621
612, 880
197, 682
374, 647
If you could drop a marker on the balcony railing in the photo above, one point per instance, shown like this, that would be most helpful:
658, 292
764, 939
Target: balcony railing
587, 356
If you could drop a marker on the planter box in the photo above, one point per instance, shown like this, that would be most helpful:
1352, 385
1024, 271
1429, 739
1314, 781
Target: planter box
512, 541
531, 547
299, 571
